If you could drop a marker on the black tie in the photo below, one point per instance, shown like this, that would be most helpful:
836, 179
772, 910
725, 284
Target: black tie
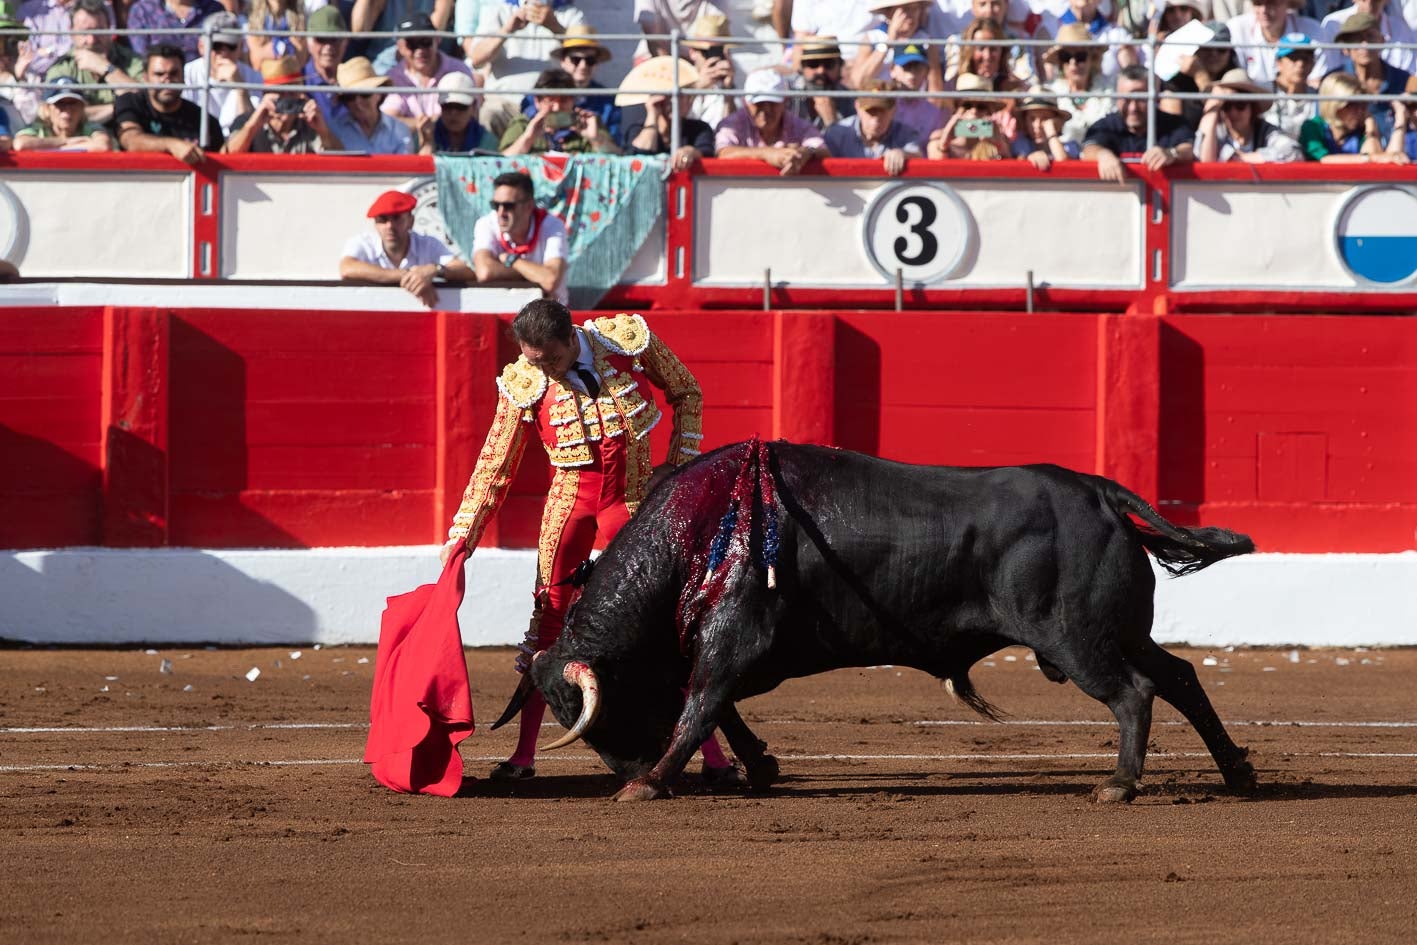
587, 377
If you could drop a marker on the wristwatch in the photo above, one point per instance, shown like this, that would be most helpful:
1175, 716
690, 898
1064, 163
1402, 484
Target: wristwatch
108, 72
440, 272
509, 259
883, 47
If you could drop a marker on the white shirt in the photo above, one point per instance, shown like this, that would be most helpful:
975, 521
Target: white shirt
847, 20
586, 362
223, 104
1258, 61
422, 251
527, 52
1394, 29
550, 243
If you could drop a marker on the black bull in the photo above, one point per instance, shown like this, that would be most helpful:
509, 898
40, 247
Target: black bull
875, 563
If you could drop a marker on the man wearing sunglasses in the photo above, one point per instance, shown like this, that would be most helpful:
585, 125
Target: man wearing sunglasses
421, 65
228, 64
283, 122
579, 54
520, 241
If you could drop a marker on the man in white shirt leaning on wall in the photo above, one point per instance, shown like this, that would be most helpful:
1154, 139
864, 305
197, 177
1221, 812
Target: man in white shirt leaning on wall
395, 255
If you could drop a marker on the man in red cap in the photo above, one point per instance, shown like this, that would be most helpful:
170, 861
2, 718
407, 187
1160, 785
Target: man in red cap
284, 122
395, 255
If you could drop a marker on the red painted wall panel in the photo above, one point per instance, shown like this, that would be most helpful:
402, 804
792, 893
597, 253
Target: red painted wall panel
1304, 427
299, 429
50, 436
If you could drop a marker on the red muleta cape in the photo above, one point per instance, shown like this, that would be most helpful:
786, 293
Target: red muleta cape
421, 706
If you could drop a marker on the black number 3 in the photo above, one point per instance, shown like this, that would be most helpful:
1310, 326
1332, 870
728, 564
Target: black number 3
920, 228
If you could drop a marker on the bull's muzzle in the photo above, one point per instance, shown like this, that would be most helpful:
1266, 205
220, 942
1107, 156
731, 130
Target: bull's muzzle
579, 674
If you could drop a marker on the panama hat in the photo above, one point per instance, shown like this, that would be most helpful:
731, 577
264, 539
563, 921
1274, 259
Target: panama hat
1040, 101
880, 6
283, 70
1071, 36
1238, 80
710, 29
969, 82
358, 73
817, 48
581, 36
655, 74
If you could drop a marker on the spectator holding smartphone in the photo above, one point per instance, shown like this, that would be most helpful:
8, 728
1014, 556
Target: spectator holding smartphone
708, 52
557, 125
971, 133
283, 122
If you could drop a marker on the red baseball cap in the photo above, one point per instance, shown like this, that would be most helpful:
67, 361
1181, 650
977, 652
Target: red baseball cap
391, 202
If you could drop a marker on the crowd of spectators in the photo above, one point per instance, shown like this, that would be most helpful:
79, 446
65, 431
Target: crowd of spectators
881, 79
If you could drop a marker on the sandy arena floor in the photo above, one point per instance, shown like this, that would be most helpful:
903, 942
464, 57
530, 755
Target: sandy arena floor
194, 806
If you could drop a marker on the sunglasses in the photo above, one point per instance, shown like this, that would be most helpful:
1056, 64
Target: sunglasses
1236, 106
1073, 55
224, 47
455, 107
583, 60
420, 43
507, 205
821, 64
715, 52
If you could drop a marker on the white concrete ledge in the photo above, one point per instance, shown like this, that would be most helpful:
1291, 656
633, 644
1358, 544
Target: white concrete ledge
335, 595
332, 297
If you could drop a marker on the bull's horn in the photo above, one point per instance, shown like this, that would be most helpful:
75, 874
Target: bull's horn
582, 675
518, 701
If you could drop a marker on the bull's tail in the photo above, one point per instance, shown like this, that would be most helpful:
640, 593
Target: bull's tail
1179, 550
961, 688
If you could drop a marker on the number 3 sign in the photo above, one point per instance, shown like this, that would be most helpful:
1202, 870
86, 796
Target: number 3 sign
924, 230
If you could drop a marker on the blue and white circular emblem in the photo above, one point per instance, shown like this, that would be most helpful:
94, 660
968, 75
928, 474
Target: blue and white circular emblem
1376, 235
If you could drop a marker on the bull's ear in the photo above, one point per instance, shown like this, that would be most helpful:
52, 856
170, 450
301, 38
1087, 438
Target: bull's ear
524, 690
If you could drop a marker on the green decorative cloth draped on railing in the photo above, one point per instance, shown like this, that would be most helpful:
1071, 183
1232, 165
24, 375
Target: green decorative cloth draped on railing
609, 205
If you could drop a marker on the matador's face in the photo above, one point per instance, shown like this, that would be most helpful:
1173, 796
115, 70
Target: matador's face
554, 358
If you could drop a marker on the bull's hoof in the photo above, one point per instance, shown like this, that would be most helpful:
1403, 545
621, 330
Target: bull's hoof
1240, 776
641, 789
1111, 792
763, 773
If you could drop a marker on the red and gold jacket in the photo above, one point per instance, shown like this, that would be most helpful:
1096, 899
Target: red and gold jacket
571, 422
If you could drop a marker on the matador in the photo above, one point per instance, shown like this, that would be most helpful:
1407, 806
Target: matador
579, 390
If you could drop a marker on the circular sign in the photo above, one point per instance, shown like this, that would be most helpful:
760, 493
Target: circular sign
923, 230
12, 223
1376, 235
427, 218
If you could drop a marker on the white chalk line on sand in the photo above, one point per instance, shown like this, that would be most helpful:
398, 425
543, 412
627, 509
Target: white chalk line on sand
967, 756
1022, 723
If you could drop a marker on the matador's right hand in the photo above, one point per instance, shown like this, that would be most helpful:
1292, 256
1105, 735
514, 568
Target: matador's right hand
452, 545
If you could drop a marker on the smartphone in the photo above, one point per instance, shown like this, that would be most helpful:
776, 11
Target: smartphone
974, 128
556, 121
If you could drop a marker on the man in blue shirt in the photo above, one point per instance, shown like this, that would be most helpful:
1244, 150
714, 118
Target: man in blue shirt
873, 131
1124, 132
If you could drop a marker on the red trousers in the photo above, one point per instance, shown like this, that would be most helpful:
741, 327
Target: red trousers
584, 503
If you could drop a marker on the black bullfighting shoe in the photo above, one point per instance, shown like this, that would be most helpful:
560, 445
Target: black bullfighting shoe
506, 771
724, 779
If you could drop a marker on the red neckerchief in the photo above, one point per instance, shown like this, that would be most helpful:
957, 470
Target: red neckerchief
522, 249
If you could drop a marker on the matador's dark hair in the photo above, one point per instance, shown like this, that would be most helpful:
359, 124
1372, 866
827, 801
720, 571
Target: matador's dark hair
542, 320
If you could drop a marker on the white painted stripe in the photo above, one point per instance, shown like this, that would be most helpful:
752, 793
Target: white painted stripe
980, 757
1017, 723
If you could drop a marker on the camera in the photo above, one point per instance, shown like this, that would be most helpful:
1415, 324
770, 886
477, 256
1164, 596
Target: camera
974, 128
715, 52
290, 104
557, 121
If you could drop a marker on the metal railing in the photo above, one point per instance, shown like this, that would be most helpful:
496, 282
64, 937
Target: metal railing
675, 41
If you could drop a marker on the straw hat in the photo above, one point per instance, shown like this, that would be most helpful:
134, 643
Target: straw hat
710, 29
655, 74
581, 36
969, 82
284, 70
880, 6
1070, 35
816, 48
1042, 102
359, 73
1238, 80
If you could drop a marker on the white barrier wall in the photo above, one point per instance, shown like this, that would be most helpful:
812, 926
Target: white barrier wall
335, 596
63, 224
1290, 236
813, 231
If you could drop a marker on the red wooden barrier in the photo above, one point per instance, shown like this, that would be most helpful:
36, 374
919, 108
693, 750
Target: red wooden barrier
294, 429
